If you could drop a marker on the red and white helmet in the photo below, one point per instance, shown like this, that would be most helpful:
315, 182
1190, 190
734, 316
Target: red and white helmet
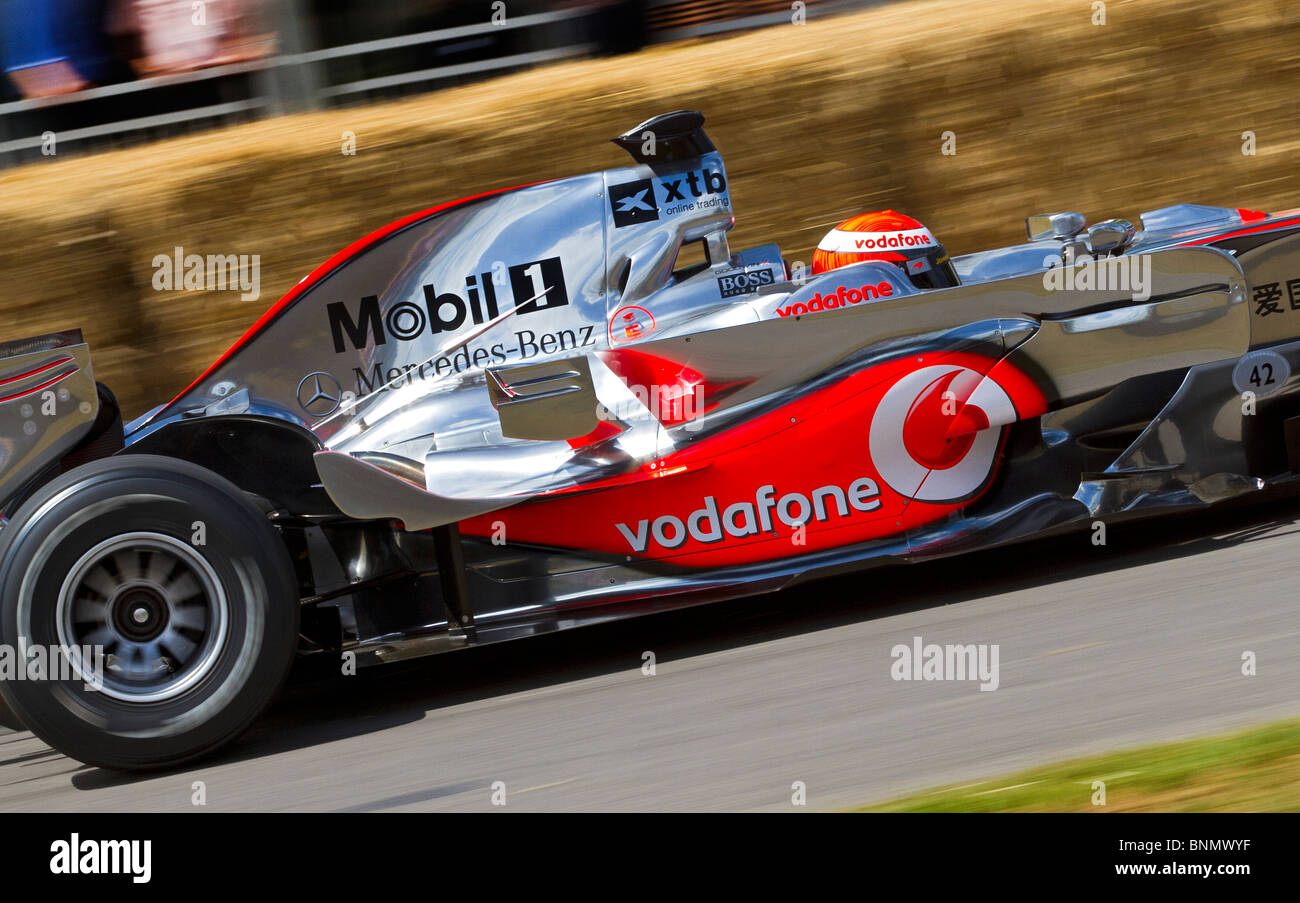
892, 237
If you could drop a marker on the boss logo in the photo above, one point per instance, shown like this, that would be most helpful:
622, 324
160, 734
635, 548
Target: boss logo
534, 286
744, 283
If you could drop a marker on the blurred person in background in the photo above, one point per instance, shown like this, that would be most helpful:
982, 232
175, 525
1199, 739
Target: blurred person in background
181, 35
53, 47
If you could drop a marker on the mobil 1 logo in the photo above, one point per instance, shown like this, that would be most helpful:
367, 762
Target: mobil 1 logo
534, 286
538, 285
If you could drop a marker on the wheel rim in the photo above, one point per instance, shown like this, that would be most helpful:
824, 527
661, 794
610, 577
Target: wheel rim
154, 605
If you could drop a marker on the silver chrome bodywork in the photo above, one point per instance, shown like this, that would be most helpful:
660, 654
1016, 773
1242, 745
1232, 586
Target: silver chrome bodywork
47, 404
450, 369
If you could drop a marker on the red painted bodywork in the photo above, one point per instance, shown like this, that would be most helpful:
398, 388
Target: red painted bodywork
815, 441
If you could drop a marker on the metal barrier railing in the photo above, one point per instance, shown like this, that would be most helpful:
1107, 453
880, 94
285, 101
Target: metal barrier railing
298, 79
268, 92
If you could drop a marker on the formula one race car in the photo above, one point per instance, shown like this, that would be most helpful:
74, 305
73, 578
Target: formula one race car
522, 412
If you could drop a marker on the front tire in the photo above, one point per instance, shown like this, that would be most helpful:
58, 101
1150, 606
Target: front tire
182, 584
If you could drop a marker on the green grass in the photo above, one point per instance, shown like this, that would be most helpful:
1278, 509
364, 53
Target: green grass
1257, 770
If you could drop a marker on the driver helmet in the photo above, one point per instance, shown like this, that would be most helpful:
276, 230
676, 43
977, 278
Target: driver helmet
892, 237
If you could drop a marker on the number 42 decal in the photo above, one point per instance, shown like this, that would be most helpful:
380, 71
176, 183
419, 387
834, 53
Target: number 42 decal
1261, 373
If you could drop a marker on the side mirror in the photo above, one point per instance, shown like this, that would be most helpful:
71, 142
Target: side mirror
1112, 235
1060, 226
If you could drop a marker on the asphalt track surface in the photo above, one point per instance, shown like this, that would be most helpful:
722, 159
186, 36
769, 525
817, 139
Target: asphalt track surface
1100, 648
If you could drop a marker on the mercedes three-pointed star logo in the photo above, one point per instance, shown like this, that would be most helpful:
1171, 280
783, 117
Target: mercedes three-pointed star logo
319, 393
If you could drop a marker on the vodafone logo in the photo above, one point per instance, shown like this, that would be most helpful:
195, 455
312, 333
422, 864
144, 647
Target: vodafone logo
841, 242
841, 297
711, 524
934, 435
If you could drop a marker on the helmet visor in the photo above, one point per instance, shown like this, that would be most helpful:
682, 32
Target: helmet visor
930, 268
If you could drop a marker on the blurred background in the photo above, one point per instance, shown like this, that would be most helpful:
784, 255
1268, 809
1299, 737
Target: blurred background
131, 127
101, 70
